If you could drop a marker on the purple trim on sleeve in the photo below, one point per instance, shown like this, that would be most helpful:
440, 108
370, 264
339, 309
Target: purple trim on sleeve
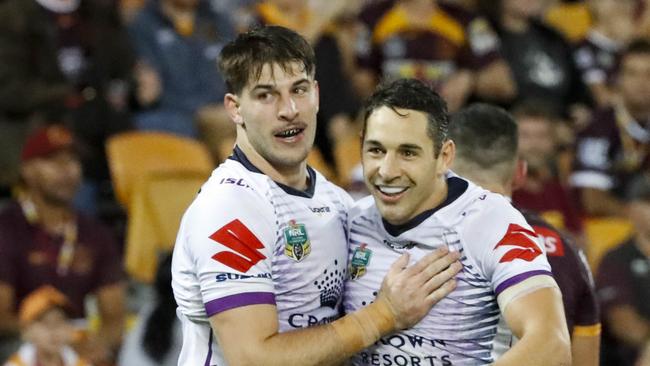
519, 278
234, 301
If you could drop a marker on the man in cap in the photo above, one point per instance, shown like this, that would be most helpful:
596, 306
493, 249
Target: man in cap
44, 241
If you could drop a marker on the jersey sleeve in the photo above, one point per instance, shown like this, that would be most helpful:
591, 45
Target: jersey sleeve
505, 247
229, 236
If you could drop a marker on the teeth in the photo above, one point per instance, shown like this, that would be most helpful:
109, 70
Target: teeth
289, 133
391, 190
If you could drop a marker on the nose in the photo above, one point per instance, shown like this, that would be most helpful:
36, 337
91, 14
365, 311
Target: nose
389, 167
287, 110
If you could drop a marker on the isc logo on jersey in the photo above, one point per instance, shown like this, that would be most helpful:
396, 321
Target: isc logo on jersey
523, 241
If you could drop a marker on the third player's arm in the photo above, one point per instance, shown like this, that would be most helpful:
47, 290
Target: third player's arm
250, 335
537, 319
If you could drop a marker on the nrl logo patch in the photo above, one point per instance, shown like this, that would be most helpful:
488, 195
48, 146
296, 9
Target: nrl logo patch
296, 241
359, 262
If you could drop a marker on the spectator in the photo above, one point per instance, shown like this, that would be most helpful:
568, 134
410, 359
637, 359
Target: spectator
623, 281
58, 246
456, 53
614, 145
61, 58
540, 59
47, 331
179, 88
157, 337
597, 56
543, 192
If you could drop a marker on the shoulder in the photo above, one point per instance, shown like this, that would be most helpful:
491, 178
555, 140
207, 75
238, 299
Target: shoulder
362, 207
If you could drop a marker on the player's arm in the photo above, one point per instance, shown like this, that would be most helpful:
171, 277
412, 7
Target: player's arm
537, 319
249, 335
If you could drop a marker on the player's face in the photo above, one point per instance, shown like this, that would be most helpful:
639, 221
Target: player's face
399, 164
536, 141
635, 80
277, 115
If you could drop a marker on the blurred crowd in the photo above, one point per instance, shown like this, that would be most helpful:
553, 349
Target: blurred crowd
74, 73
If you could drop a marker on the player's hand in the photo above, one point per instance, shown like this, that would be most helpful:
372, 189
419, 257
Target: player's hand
411, 291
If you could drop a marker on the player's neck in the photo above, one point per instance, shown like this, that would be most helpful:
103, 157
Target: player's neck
53, 217
294, 176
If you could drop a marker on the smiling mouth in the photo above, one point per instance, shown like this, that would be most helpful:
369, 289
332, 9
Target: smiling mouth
289, 133
391, 191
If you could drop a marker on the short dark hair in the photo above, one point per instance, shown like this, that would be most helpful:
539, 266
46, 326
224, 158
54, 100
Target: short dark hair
414, 95
243, 59
485, 135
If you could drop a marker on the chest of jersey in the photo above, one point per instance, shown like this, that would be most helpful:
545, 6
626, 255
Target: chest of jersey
459, 330
309, 259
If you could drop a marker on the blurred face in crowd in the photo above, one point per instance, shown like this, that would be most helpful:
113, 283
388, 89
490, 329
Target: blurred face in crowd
400, 166
536, 141
277, 114
639, 212
51, 332
524, 8
617, 16
55, 178
634, 79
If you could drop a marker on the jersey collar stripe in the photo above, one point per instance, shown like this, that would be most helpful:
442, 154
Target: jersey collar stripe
238, 300
519, 278
239, 156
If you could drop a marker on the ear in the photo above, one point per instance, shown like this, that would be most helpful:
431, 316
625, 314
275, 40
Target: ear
447, 155
231, 103
521, 171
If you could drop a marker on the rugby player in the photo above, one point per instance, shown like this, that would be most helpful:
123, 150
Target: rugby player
261, 254
417, 205
487, 154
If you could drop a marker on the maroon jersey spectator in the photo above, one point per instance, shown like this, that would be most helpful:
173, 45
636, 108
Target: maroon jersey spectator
542, 191
623, 281
614, 145
44, 241
439, 44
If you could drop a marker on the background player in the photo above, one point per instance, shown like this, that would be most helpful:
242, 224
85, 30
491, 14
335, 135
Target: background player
487, 154
263, 248
416, 207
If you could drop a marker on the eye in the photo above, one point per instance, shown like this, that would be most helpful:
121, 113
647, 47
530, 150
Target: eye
409, 153
300, 90
265, 97
373, 150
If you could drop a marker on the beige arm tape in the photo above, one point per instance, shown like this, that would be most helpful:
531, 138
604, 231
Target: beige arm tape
523, 288
365, 326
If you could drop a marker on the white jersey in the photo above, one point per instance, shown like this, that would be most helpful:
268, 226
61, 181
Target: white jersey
498, 250
248, 240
